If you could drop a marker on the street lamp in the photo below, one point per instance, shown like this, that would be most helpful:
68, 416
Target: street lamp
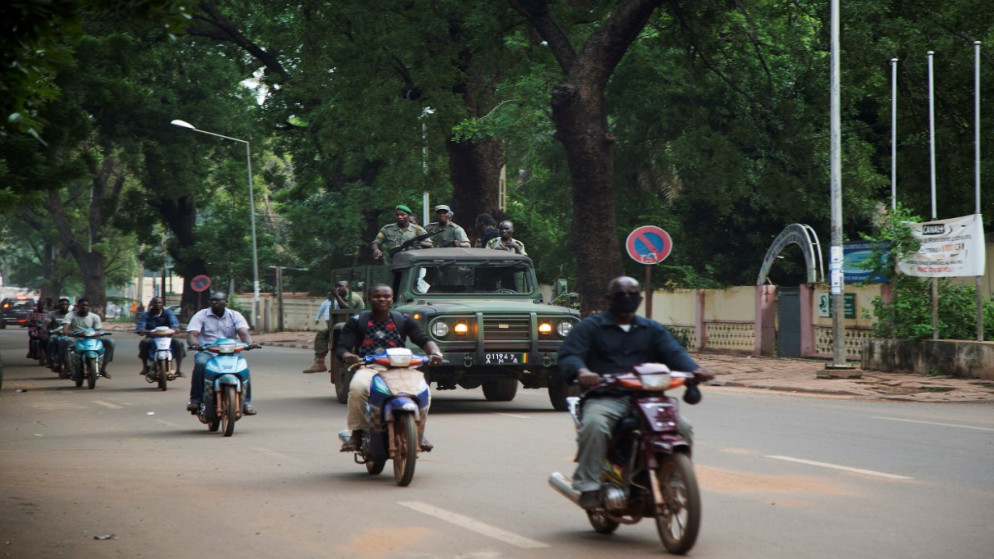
255, 253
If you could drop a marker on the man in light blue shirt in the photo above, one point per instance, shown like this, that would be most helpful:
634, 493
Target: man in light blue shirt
206, 327
341, 298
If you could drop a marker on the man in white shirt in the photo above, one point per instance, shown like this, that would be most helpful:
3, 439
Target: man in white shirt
206, 327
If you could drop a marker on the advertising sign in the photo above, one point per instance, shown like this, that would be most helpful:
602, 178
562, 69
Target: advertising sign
949, 248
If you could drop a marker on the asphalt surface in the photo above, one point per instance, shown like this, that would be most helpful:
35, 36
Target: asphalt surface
799, 376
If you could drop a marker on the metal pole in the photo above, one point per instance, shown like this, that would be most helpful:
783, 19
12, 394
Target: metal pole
648, 290
976, 175
255, 251
893, 133
835, 144
931, 153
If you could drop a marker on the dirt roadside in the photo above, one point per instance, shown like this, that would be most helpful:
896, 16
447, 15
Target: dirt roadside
800, 376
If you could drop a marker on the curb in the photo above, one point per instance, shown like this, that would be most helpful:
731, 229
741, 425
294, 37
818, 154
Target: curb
776, 388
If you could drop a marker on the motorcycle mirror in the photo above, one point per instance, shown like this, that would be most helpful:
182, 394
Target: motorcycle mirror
693, 394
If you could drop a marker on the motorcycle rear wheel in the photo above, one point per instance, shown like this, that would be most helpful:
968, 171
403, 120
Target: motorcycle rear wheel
406, 441
162, 372
680, 519
91, 373
229, 410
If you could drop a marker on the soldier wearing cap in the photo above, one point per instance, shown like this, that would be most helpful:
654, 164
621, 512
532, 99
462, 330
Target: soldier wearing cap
396, 234
444, 233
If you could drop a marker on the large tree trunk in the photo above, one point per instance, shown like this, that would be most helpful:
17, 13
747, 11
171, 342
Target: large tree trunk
581, 125
104, 191
474, 169
180, 215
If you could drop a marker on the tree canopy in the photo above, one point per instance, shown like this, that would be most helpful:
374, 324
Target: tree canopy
577, 120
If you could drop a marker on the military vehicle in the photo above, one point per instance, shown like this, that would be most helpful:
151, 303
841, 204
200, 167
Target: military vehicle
485, 311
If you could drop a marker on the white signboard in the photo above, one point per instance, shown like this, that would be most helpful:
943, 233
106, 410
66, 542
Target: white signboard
949, 248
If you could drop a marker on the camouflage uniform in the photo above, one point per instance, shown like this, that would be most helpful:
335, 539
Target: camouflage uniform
444, 236
391, 236
497, 244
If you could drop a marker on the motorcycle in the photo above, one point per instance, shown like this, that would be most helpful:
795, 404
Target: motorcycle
648, 471
397, 411
55, 336
159, 363
86, 357
37, 339
225, 377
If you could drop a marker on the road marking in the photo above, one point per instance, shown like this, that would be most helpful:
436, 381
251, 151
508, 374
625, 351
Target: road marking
934, 423
473, 525
838, 467
505, 414
108, 405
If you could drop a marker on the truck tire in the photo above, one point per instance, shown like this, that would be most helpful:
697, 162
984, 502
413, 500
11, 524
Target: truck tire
500, 390
559, 390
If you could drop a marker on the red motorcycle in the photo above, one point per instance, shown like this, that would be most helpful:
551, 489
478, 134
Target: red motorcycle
648, 471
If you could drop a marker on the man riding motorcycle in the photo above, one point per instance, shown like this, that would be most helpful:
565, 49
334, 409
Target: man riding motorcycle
613, 342
369, 333
156, 316
53, 321
206, 327
80, 319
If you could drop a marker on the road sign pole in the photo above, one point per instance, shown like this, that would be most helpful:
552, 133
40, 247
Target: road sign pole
648, 290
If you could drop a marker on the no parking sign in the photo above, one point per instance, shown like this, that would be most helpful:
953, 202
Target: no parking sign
649, 244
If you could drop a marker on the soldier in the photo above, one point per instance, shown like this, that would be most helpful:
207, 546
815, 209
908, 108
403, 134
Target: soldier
400, 235
445, 233
505, 241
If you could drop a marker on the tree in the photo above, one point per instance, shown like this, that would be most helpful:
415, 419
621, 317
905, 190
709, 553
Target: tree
580, 116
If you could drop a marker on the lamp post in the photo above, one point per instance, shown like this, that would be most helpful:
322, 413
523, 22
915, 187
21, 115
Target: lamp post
255, 253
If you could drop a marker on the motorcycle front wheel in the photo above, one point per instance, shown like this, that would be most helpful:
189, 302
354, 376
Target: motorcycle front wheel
680, 516
161, 371
229, 410
601, 523
406, 441
91, 373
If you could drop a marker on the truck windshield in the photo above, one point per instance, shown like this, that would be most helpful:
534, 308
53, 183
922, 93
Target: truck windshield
471, 277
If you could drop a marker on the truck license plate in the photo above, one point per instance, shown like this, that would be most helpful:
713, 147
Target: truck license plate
504, 358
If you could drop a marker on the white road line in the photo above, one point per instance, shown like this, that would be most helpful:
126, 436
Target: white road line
505, 414
108, 405
473, 525
934, 423
838, 467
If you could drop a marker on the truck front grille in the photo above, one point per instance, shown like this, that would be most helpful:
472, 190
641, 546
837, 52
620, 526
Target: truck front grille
507, 328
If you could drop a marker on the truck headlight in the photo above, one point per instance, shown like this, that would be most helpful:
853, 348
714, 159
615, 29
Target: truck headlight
564, 327
461, 329
545, 328
439, 329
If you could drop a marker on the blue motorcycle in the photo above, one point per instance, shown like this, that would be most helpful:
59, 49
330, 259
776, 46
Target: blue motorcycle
226, 375
86, 357
397, 411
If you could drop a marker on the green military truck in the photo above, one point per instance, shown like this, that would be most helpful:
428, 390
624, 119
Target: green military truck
484, 309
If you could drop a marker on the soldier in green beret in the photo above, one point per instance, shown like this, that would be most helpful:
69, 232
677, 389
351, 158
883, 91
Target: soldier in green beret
399, 233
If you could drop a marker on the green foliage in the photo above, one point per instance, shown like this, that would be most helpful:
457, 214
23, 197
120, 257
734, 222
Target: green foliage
894, 239
909, 314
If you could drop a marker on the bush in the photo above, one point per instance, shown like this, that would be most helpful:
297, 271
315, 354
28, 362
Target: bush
909, 315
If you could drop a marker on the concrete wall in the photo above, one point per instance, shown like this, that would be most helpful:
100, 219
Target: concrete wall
949, 357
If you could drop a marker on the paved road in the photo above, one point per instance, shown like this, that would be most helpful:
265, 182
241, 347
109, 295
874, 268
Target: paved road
782, 476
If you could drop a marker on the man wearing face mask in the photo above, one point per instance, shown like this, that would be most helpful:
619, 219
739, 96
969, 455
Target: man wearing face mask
613, 342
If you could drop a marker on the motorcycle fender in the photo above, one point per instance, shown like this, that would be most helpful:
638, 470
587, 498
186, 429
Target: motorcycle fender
659, 444
227, 379
402, 404
164, 355
660, 415
91, 355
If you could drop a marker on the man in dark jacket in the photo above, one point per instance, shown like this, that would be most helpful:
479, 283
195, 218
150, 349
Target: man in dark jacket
613, 342
157, 315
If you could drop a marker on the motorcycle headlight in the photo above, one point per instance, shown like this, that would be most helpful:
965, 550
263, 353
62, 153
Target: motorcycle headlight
656, 381
226, 348
564, 328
